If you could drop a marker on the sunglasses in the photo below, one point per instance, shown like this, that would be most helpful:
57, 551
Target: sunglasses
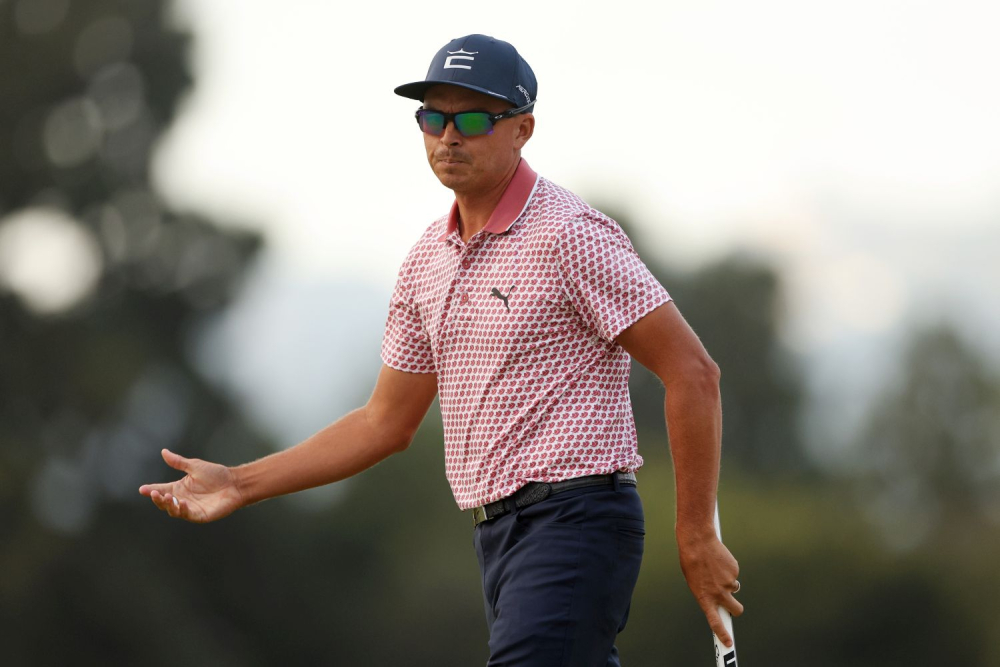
468, 123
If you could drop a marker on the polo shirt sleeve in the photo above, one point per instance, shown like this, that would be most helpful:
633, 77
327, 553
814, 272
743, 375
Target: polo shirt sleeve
604, 278
405, 344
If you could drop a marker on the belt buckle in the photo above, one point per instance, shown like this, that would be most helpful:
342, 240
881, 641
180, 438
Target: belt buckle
478, 515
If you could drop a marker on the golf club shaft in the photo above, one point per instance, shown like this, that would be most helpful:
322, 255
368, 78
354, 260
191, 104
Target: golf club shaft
724, 656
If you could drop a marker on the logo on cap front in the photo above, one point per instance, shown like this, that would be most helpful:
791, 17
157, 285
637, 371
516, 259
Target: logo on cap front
461, 54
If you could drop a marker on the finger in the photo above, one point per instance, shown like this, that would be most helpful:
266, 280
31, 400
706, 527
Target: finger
184, 511
175, 508
176, 461
732, 605
715, 622
159, 500
729, 601
148, 489
172, 505
167, 502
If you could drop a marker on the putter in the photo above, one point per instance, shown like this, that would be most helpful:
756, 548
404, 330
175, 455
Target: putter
724, 657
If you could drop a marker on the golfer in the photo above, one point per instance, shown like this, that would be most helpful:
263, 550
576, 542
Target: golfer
519, 309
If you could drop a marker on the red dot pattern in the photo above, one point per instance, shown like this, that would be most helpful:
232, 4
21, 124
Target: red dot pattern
538, 392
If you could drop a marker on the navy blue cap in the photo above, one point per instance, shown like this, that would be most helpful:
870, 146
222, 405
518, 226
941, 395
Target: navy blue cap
481, 63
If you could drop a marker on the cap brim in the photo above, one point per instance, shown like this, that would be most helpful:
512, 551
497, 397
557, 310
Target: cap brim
417, 89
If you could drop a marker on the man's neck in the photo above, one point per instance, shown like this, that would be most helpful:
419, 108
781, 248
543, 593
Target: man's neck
475, 209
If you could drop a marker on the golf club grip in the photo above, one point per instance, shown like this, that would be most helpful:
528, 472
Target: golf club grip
724, 656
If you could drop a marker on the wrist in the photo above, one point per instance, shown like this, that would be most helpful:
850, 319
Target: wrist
242, 485
696, 532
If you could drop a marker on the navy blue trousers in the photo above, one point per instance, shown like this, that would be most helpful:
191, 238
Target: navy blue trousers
558, 577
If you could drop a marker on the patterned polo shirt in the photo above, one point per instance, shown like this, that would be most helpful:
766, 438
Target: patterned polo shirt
519, 324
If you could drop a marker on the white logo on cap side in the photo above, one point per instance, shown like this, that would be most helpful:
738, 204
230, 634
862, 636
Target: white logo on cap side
453, 55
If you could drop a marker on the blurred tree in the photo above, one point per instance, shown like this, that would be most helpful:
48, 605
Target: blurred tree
87, 87
735, 306
94, 380
932, 445
101, 285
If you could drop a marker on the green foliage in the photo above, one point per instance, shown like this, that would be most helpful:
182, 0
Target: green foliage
386, 575
735, 307
89, 394
932, 444
818, 586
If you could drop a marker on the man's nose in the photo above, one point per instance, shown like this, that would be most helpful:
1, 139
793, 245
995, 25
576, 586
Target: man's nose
450, 135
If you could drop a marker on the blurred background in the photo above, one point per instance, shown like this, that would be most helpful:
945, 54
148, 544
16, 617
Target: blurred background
202, 210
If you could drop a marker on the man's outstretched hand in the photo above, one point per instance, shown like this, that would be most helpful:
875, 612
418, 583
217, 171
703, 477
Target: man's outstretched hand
208, 491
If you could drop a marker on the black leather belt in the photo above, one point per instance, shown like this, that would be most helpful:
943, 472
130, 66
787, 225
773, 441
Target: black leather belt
534, 492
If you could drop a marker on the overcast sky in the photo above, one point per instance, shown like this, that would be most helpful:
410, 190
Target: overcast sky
855, 143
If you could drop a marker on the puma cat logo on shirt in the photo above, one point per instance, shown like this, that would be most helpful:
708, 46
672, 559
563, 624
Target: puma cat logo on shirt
503, 298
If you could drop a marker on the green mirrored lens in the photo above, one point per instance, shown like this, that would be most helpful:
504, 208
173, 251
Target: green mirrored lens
473, 123
432, 122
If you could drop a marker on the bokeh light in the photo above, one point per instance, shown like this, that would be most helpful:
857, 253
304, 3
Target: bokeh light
48, 259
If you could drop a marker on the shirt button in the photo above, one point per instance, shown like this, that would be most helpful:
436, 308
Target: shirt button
466, 263
464, 299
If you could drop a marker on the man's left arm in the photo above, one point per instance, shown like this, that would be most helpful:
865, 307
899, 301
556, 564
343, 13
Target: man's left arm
663, 342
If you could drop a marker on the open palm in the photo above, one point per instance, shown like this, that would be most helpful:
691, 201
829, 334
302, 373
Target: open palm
208, 491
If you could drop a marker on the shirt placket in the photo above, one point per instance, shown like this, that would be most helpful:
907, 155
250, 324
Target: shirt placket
459, 306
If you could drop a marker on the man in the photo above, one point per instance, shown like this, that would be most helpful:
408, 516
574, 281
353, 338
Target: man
520, 309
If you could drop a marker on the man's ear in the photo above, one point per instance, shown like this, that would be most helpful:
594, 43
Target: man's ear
525, 128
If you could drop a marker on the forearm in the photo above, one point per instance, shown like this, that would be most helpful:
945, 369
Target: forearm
663, 342
694, 417
342, 449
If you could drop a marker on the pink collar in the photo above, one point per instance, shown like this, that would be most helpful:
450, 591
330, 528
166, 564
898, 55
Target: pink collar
510, 207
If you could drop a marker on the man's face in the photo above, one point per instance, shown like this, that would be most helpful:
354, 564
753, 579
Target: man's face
474, 165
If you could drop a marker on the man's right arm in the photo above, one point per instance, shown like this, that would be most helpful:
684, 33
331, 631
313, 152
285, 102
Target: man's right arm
384, 426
